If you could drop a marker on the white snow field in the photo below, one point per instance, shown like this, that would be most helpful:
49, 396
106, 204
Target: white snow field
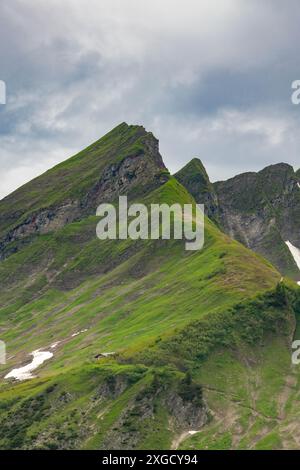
24, 373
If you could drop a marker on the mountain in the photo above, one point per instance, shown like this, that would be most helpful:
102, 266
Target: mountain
125, 161
137, 343
194, 178
260, 210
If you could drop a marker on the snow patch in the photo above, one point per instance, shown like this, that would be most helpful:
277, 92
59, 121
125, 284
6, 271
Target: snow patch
78, 332
24, 373
295, 253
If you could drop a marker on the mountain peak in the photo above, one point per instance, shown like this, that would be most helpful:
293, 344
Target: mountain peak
194, 165
124, 161
278, 168
193, 172
194, 178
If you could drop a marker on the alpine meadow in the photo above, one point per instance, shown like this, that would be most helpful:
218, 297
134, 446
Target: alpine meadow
150, 346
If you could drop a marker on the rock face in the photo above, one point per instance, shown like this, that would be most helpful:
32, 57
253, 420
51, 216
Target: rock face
125, 161
185, 407
138, 173
261, 210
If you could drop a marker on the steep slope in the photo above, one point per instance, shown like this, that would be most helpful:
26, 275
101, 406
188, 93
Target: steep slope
194, 178
125, 161
144, 334
262, 210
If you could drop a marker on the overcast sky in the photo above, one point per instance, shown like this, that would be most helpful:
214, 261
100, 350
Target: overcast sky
209, 78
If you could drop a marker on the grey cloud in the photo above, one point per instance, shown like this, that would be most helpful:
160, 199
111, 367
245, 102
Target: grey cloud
209, 78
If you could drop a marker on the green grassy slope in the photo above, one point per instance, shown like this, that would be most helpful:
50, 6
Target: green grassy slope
253, 393
132, 287
194, 334
134, 308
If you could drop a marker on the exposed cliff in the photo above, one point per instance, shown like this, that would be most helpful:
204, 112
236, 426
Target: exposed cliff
262, 210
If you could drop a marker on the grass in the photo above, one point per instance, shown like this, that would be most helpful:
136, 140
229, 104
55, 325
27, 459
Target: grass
183, 325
